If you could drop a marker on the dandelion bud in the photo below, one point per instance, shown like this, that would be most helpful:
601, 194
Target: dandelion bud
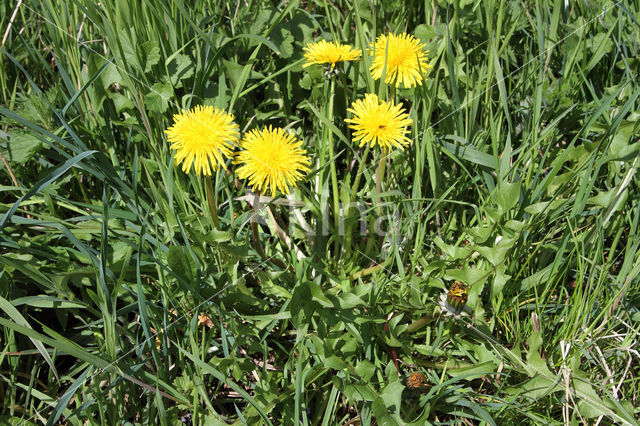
457, 296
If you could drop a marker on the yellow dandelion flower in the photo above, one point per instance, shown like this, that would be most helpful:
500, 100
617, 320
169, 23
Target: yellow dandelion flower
379, 122
324, 52
272, 159
406, 60
203, 137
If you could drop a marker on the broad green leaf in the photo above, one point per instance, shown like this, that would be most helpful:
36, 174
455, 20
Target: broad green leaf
19, 147
496, 254
180, 67
507, 195
47, 302
392, 396
604, 198
365, 369
284, 40
181, 264
157, 100
536, 388
500, 279
468, 152
454, 252
599, 45
533, 356
468, 275
474, 372
545, 206
141, 56
424, 32
122, 103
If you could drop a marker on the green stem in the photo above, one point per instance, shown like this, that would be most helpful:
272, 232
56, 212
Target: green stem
328, 14
257, 245
356, 183
75, 174
332, 165
380, 175
354, 192
254, 226
420, 323
211, 199
370, 270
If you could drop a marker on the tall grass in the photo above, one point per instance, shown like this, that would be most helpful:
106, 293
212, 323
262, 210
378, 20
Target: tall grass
122, 302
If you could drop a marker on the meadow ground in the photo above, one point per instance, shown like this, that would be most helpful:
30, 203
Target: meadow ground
462, 250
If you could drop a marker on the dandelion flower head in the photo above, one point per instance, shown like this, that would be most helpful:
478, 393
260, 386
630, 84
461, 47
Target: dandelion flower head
453, 302
203, 137
325, 52
272, 158
415, 380
457, 295
379, 123
406, 60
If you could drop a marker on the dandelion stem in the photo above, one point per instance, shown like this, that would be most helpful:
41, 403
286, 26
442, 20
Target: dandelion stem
356, 182
332, 165
211, 199
370, 270
333, 32
354, 191
257, 245
254, 225
420, 323
380, 175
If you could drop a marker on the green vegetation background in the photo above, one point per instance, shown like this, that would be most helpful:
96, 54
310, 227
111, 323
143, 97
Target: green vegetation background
520, 182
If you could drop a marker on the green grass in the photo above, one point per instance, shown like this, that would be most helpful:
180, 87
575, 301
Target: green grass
520, 181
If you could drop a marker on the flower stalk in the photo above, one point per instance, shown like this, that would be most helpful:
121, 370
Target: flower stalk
211, 200
332, 164
254, 225
380, 175
356, 182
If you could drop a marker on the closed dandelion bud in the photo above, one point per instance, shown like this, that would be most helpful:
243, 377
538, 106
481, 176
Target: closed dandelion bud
457, 296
